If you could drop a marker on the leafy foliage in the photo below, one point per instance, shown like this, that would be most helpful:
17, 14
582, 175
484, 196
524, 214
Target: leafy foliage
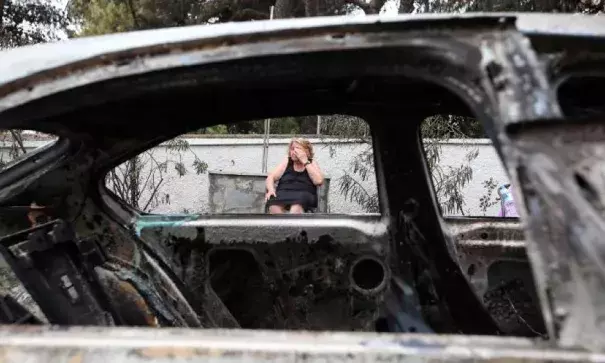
139, 180
344, 125
305, 125
448, 182
13, 144
451, 127
351, 184
99, 17
26, 22
488, 200
110, 16
14, 139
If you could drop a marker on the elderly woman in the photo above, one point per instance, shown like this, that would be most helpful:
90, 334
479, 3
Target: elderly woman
298, 175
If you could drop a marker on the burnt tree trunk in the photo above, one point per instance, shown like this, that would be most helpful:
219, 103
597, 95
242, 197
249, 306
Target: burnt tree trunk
311, 8
284, 9
406, 6
1, 13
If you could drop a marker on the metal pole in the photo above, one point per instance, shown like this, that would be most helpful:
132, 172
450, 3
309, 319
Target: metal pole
266, 145
318, 124
267, 123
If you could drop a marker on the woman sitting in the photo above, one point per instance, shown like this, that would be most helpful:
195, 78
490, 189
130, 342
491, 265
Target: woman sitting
298, 175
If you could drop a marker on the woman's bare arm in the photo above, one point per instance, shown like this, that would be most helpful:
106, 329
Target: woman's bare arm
315, 173
274, 176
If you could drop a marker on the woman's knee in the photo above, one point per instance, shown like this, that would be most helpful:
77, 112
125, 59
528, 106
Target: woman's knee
276, 209
296, 208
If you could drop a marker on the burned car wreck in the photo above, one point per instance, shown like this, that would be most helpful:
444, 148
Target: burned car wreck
88, 259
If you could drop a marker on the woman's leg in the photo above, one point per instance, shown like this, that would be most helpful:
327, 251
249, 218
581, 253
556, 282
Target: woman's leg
296, 209
276, 209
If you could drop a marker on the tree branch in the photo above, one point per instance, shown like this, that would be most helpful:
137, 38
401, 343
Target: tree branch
155, 190
133, 14
362, 4
249, 14
212, 8
17, 138
376, 5
406, 6
1, 13
118, 185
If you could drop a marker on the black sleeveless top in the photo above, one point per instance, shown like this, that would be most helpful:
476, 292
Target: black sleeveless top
293, 180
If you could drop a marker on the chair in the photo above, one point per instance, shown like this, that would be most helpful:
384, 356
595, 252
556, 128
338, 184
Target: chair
313, 209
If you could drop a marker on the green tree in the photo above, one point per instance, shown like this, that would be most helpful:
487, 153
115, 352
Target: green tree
25, 23
29, 22
103, 17
448, 182
214, 130
16, 148
110, 16
139, 181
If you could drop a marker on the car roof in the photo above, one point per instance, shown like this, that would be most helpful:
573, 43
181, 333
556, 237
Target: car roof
25, 61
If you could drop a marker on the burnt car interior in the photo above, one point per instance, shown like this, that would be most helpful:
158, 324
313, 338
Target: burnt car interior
90, 259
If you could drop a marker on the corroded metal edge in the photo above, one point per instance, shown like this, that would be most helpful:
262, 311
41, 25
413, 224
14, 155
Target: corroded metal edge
77, 344
55, 54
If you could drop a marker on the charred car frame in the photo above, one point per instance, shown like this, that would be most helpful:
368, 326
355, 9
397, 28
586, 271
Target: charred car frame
94, 261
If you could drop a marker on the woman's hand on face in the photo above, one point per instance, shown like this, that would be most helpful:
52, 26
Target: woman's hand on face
301, 155
269, 194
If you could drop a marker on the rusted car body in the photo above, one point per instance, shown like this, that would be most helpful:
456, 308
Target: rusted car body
405, 284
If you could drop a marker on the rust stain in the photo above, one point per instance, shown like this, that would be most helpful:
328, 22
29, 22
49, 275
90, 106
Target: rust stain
128, 56
214, 353
34, 329
77, 358
176, 47
168, 352
134, 296
131, 304
124, 249
36, 214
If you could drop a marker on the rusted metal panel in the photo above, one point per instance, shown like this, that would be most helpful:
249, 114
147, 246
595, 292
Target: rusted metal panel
26, 67
87, 345
136, 61
547, 154
492, 255
47, 56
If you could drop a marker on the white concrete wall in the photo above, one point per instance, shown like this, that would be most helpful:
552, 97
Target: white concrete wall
486, 165
244, 154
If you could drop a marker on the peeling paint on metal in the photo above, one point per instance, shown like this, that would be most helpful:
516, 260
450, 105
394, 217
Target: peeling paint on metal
174, 220
177, 346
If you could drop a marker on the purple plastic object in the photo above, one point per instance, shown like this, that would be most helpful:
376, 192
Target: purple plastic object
507, 204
